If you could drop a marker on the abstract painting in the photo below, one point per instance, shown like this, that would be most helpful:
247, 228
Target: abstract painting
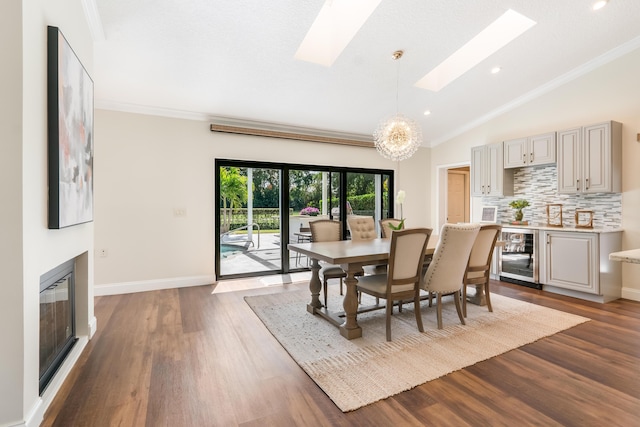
70, 148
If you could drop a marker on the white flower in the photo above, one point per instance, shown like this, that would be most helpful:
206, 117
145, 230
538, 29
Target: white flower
400, 197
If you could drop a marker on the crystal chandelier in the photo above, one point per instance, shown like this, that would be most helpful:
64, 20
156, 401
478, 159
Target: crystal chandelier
398, 137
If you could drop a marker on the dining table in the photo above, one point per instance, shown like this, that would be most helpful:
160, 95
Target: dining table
351, 256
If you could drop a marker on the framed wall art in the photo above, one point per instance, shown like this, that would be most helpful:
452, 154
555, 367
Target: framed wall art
70, 128
489, 214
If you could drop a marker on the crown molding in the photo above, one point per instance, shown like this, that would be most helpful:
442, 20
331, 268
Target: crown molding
592, 65
93, 20
150, 111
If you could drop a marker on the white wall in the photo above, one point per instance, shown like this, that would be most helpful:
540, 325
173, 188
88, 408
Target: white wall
610, 92
147, 166
27, 247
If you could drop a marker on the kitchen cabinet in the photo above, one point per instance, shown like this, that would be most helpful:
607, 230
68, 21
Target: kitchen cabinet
590, 159
530, 151
577, 264
488, 176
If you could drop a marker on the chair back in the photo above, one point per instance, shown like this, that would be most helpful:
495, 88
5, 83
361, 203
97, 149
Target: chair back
406, 256
362, 228
325, 230
450, 258
385, 230
482, 250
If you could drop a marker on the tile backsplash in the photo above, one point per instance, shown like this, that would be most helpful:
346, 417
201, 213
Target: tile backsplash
538, 185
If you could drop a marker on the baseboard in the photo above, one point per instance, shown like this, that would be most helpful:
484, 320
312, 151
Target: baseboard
631, 293
151, 285
36, 415
93, 326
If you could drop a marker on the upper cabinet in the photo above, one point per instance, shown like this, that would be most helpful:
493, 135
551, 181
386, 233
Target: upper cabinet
530, 151
590, 159
488, 177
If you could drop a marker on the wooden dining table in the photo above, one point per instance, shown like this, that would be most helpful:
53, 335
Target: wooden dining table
351, 256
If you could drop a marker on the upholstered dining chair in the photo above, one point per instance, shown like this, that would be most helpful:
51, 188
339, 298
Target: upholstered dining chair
362, 228
327, 230
479, 267
385, 230
449, 263
402, 280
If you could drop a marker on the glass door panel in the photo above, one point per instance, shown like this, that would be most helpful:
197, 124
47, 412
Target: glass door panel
249, 239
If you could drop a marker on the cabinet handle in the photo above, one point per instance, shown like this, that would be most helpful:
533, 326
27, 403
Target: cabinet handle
548, 239
482, 189
488, 189
577, 184
531, 157
586, 187
524, 158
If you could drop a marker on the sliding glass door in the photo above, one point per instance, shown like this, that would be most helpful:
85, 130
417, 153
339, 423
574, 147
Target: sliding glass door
252, 228
249, 220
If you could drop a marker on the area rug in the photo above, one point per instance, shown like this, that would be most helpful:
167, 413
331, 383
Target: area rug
355, 373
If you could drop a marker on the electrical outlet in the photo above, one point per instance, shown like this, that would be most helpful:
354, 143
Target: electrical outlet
179, 212
103, 253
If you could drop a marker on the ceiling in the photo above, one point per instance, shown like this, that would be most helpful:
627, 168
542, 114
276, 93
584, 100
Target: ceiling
235, 59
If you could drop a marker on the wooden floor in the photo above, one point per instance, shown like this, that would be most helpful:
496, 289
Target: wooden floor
190, 357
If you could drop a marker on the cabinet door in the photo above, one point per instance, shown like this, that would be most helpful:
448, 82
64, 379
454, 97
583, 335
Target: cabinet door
596, 155
495, 170
515, 153
542, 149
571, 261
569, 179
477, 171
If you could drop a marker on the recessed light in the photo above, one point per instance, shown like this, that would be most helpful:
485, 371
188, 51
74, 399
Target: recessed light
497, 35
426, 113
495, 70
599, 4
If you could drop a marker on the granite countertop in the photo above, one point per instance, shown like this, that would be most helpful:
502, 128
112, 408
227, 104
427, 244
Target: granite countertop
632, 256
573, 229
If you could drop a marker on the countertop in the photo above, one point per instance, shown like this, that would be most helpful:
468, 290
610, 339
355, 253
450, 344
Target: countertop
572, 229
632, 256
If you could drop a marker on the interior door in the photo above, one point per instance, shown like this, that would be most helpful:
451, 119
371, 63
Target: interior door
457, 196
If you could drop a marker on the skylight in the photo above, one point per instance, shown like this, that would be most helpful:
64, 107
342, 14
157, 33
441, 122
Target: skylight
497, 35
334, 27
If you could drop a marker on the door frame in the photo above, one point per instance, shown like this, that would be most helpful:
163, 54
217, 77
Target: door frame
442, 186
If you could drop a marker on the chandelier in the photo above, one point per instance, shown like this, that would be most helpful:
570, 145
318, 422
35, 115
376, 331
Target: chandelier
398, 137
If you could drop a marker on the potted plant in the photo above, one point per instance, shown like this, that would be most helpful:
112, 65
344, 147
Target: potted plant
518, 205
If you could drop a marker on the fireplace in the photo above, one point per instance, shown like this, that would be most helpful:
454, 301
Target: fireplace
57, 319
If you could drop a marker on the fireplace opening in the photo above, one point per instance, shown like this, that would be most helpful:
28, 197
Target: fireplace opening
57, 319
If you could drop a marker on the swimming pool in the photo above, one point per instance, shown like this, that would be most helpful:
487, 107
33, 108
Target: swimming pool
229, 250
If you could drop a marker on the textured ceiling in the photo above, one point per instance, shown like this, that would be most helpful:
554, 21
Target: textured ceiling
236, 59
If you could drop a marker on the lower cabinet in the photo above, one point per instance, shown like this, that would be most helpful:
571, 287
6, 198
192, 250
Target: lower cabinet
577, 264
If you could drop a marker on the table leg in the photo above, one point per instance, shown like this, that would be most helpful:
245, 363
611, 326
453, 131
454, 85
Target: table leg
315, 285
478, 298
350, 328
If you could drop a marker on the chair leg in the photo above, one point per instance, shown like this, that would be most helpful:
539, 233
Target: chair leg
439, 309
341, 286
464, 300
487, 296
389, 309
456, 298
430, 297
416, 308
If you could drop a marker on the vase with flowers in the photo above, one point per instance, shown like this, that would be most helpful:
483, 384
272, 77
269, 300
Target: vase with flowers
518, 205
399, 200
